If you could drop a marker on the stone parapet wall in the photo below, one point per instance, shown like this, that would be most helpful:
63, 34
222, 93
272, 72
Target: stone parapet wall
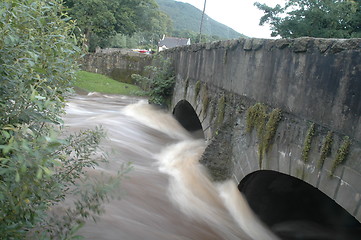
315, 79
118, 64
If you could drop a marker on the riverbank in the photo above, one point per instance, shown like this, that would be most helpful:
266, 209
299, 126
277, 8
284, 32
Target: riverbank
92, 82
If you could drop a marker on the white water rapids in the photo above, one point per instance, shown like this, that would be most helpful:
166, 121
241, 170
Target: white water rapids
168, 194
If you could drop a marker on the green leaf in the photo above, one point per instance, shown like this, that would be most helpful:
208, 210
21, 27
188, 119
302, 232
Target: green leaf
47, 171
5, 134
17, 177
39, 173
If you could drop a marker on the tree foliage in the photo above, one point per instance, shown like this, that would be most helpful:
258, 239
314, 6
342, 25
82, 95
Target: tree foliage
38, 164
100, 19
195, 36
314, 18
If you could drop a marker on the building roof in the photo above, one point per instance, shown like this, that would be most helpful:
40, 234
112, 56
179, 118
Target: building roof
171, 42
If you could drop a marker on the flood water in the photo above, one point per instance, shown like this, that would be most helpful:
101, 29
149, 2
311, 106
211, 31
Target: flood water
168, 194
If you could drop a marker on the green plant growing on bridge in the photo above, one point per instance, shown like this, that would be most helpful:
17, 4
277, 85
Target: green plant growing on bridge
256, 116
271, 127
326, 148
342, 153
307, 143
221, 110
159, 80
186, 88
197, 89
265, 124
205, 101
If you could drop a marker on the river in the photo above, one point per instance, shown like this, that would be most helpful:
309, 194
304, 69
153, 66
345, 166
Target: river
168, 194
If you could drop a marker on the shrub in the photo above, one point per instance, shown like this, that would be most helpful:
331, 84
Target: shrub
38, 165
159, 80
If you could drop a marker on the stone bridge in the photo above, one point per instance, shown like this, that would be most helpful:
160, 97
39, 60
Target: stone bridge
289, 106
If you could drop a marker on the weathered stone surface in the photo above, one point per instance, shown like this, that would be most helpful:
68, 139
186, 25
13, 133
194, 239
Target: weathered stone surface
282, 43
248, 44
301, 44
219, 160
348, 195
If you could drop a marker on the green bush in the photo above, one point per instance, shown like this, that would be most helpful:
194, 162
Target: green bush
38, 165
158, 81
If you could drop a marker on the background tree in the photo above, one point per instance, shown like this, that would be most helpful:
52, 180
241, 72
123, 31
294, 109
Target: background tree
195, 38
99, 20
313, 18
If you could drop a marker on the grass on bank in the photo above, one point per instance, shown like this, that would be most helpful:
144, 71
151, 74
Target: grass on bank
93, 82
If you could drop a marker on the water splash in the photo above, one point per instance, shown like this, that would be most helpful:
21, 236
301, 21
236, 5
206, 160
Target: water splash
219, 205
169, 193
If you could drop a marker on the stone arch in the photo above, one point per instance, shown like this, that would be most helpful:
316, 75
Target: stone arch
294, 209
188, 118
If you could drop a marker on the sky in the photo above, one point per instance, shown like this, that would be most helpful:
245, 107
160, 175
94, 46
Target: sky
241, 15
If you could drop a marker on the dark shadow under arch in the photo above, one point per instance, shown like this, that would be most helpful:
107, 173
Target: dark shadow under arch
294, 209
188, 118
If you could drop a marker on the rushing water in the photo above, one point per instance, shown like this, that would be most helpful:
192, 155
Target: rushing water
168, 194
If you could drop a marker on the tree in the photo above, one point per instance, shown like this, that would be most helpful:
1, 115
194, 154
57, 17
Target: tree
313, 18
195, 36
101, 19
40, 165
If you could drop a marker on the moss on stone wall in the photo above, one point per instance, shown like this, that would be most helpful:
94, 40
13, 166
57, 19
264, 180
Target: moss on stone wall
265, 124
326, 148
186, 88
197, 89
221, 110
342, 153
256, 116
307, 143
205, 100
271, 127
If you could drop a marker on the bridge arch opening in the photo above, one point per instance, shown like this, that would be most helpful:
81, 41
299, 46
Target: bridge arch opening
293, 209
188, 118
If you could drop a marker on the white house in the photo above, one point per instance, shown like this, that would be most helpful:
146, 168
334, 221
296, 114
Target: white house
171, 42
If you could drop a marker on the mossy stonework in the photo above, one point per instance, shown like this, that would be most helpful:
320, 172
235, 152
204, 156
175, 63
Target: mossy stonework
221, 108
326, 148
342, 153
307, 143
197, 89
205, 101
265, 124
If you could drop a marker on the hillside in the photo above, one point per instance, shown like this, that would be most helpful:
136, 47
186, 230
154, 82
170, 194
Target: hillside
188, 17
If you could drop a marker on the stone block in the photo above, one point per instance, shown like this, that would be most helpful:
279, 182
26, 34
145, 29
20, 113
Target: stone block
349, 192
329, 184
358, 214
270, 161
284, 161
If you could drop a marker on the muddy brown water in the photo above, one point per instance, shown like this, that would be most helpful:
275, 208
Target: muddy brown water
168, 194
